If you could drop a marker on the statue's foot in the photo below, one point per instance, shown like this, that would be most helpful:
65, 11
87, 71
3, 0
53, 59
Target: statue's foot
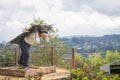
27, 67
20, 67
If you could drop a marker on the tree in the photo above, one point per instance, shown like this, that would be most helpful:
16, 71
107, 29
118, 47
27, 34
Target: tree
116, 55
79, 60
97, 59
108, 56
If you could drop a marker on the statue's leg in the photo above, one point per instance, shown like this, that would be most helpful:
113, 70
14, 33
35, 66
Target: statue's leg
26, 54
24, 58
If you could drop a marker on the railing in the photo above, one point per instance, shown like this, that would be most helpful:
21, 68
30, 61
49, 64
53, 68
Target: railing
68, 61
8, 57
66, 55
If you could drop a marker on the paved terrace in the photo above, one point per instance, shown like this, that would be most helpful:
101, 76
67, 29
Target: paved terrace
49, 73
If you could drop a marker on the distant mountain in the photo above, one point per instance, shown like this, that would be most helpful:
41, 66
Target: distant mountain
91, 44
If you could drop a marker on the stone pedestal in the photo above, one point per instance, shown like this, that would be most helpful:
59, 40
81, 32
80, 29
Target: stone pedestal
32, 71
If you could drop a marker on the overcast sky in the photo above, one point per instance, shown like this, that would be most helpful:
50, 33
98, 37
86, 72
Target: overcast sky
71, 17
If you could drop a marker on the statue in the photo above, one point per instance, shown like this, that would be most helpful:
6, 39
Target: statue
28, 38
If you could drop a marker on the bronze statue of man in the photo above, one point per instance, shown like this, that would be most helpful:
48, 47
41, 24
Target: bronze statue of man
27, 39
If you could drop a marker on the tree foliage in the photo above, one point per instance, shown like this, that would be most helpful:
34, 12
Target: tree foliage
116, 55
97, 59
108, 56
91, 71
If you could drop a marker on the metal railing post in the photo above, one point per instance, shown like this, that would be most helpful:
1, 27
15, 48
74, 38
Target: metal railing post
16, 49
52, 56
73, 58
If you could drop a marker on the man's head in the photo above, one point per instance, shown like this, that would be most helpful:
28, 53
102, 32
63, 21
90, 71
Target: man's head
44, 35
43, 31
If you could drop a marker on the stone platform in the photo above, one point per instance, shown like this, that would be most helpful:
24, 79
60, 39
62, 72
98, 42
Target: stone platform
32, 71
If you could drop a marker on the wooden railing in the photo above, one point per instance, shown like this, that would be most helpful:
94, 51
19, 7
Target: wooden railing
8, 60
71, 59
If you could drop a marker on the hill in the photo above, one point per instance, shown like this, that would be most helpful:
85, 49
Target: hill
91, 44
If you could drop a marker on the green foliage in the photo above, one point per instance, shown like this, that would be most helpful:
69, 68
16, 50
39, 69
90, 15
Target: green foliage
109, 56
77, 74
7, 56
116, 55
97, 59
81, 74
91, 71
115, 77
79, 60
40, 56
29, 78
38, 21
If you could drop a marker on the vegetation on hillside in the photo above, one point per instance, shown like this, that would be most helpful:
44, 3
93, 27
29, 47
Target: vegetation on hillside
87, 44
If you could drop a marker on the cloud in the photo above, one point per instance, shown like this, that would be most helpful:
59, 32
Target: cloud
10, 30
71, 17
109, 7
